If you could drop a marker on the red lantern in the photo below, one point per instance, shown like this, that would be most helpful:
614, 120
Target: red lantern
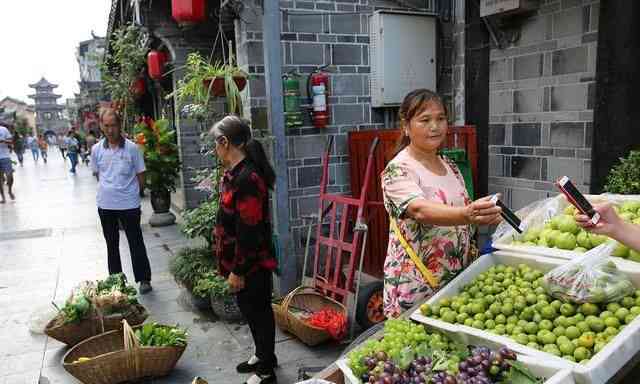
138, 87
155, 63
188, 11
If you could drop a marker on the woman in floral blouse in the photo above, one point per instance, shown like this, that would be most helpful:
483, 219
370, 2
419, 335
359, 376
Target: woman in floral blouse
425, 195
243, 238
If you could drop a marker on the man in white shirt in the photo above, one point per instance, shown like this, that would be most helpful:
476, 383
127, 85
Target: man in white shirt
6, 166
119, 166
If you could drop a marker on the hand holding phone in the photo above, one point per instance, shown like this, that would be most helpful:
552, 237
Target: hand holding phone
508, 215
577, 199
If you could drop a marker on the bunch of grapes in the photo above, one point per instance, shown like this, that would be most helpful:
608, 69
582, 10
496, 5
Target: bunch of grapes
398, 334
383, 371
483, 366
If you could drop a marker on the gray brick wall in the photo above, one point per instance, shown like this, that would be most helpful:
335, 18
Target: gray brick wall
541, 98
323, 37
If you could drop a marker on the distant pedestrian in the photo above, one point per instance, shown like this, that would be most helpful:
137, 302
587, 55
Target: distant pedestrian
6, 167
119, 166
62, 146
72, 148
18, 147
44, 147
32, 143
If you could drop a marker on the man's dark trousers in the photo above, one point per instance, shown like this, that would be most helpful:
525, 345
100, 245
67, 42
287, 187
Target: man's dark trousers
130, 219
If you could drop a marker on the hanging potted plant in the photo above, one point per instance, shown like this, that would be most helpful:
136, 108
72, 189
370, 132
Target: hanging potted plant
202, 80
122, 67
163, 165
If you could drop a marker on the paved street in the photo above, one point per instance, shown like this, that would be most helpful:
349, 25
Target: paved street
50, 239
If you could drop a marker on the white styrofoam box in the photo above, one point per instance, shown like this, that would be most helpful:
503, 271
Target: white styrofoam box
503, 243
402, 55
553, 373
602, 366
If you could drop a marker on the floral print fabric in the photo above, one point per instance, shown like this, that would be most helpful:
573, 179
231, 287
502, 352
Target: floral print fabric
443, 250
243, 230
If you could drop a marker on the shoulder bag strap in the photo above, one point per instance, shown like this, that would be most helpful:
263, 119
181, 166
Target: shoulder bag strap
426, 274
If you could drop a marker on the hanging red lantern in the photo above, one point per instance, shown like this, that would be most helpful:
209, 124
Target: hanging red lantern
138, 87
188, 11
155, 63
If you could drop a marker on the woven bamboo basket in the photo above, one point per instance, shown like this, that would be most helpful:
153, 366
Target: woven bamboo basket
73, 333
117, 357
305, 300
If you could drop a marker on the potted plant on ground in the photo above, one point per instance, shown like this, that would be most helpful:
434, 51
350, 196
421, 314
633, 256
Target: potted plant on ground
203, 79
162, 166
188, 267
223, 303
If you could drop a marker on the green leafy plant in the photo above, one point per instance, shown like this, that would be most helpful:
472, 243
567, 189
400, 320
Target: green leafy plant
155, 335
624, 178
190, 264
199, 74
212, 284
123, 64
160, 154
200, 221
76, 308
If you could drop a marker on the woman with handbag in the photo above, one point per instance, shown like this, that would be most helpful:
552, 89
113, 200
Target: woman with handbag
243, 238
431, 215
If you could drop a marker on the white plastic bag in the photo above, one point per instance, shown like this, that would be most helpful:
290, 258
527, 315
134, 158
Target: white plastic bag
532, 215
589, 278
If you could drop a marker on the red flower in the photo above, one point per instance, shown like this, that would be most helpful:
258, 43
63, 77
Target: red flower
250, 210
227, 198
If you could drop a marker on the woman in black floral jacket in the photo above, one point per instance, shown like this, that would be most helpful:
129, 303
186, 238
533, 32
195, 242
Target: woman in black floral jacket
244, 237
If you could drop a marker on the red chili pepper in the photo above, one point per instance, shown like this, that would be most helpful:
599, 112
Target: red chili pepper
333, 321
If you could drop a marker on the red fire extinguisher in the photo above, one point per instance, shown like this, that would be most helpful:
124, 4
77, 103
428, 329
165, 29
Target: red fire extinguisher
318, 86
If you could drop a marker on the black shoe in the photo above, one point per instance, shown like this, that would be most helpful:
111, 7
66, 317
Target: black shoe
245, 367
145, 287
269, 378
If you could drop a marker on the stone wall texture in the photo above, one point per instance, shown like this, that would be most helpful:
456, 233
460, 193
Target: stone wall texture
542, 88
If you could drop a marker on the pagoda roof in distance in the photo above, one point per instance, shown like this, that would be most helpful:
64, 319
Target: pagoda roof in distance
43, 83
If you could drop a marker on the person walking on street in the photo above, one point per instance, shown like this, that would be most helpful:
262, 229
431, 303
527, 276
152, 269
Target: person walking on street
72, 148
62, 146
44, 147
119, 167
6, 167
243, 233
32, 142
18, 147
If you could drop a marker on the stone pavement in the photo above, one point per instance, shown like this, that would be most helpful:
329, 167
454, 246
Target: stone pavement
50, 239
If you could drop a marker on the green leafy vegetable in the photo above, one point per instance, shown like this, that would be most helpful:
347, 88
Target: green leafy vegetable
155, 335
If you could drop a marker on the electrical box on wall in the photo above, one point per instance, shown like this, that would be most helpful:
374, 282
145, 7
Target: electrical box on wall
402, 55
506, 7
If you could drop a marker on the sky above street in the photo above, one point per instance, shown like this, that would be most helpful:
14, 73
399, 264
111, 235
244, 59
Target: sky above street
39, 38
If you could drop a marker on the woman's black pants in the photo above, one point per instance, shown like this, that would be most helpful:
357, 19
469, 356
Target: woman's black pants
255, 304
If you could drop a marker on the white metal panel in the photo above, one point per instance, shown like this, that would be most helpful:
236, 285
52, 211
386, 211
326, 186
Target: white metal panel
403, 55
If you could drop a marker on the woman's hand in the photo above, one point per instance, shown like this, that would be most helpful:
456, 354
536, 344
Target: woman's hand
483, 212
608, 224
236, 283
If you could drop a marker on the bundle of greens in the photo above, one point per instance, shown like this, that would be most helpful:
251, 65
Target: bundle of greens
156, 335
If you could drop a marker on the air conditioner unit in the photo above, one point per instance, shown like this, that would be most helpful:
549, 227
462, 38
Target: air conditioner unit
402, 55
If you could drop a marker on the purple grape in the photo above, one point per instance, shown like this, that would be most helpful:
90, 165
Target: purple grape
388, 367
477, 359
463, 366
420, 368
364, 377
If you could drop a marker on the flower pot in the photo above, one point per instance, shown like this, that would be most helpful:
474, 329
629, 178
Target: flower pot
226, 308
218, 87
161, 202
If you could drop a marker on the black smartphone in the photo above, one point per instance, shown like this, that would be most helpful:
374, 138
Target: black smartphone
577, 199
507, 214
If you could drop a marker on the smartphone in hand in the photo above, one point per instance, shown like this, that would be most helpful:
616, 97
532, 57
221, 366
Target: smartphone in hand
577, 199
508, 215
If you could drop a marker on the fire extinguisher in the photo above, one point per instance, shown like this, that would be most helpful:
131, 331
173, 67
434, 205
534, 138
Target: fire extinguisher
318, 86
291, 88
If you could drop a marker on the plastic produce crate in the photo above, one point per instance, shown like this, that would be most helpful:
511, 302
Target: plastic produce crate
602, 366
